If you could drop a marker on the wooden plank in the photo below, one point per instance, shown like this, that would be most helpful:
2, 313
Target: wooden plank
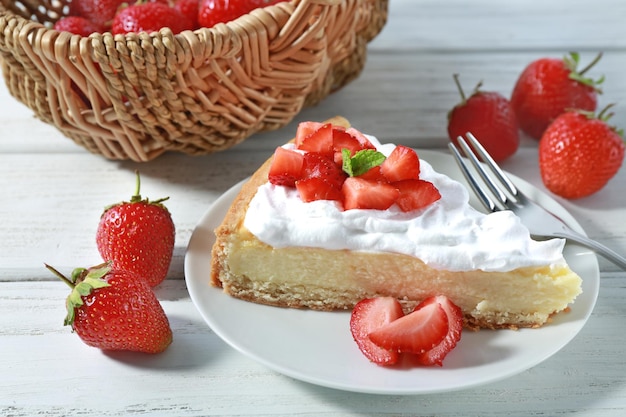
47, 370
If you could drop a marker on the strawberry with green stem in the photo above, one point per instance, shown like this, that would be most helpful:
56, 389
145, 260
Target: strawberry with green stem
488, 116
113, 310
549, 87
138, 236
579, 153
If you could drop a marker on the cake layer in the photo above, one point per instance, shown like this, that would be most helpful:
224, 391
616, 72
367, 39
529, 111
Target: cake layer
323, 279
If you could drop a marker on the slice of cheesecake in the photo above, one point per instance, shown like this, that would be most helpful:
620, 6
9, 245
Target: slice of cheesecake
273, 248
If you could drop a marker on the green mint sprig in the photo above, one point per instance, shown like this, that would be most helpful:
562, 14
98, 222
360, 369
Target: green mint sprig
361, 162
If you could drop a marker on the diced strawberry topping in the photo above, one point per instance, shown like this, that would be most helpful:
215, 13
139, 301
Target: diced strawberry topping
305, 129
417, 332
365, 142
416, 194
363, 194
318, 188
402, 164
286, 167
436, 355
375, 182
371, 314
344, 140
374, 174
320, 141
318, 165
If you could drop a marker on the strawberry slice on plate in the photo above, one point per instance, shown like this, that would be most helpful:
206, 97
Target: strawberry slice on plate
368, 315
417, 332
436, 355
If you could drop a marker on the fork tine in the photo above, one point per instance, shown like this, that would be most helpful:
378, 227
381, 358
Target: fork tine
488, 160
485, 200
489, 182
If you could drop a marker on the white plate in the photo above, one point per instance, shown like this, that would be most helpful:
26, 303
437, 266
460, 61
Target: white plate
317, 347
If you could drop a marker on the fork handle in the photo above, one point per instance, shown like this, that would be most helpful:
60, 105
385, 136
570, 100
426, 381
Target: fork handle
599, 248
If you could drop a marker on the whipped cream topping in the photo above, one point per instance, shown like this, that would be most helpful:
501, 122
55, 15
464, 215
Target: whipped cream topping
449, 234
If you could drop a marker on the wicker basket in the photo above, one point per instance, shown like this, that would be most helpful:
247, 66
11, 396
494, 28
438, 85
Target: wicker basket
136, 96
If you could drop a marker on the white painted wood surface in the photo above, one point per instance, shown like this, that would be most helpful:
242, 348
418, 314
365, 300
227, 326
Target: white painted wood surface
53, 193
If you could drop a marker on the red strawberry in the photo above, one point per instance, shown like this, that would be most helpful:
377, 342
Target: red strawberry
78, 25
416, 194
344, 140
363, 140
149, 17
548, 87
189, 8
317, 188
488, 116
373, 174
286, 168
319, 141
417, 332
436, 355
138, 236
113, 310
402, 164
363, 194
318, 165
369, 315
305, 129
579, 153
213, 12
101, 12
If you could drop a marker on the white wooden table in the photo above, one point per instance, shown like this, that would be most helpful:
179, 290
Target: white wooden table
53, 193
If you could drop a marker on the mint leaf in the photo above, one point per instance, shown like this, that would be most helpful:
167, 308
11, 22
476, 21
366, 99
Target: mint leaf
361, 162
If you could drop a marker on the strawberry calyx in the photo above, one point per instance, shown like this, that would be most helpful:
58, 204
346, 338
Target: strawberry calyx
603, 115
571, 62
82, 282
459, 87
137, 198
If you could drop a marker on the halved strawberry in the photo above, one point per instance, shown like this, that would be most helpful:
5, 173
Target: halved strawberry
402, 164
436, 355
363, 194
317, 165
318, 188
371, 314
286, 167
417, 332
320, 141
416, 194
305, 129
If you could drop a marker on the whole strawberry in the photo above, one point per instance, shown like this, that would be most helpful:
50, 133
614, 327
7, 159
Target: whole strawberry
579, 153
138, 236
101, 12
488, 116
549, 87
212, 12
150, 17
78, 25
113, 310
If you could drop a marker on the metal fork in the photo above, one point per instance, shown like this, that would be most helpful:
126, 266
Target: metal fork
540, 222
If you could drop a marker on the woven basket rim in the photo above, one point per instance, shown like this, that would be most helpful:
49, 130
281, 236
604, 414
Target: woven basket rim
137, 95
